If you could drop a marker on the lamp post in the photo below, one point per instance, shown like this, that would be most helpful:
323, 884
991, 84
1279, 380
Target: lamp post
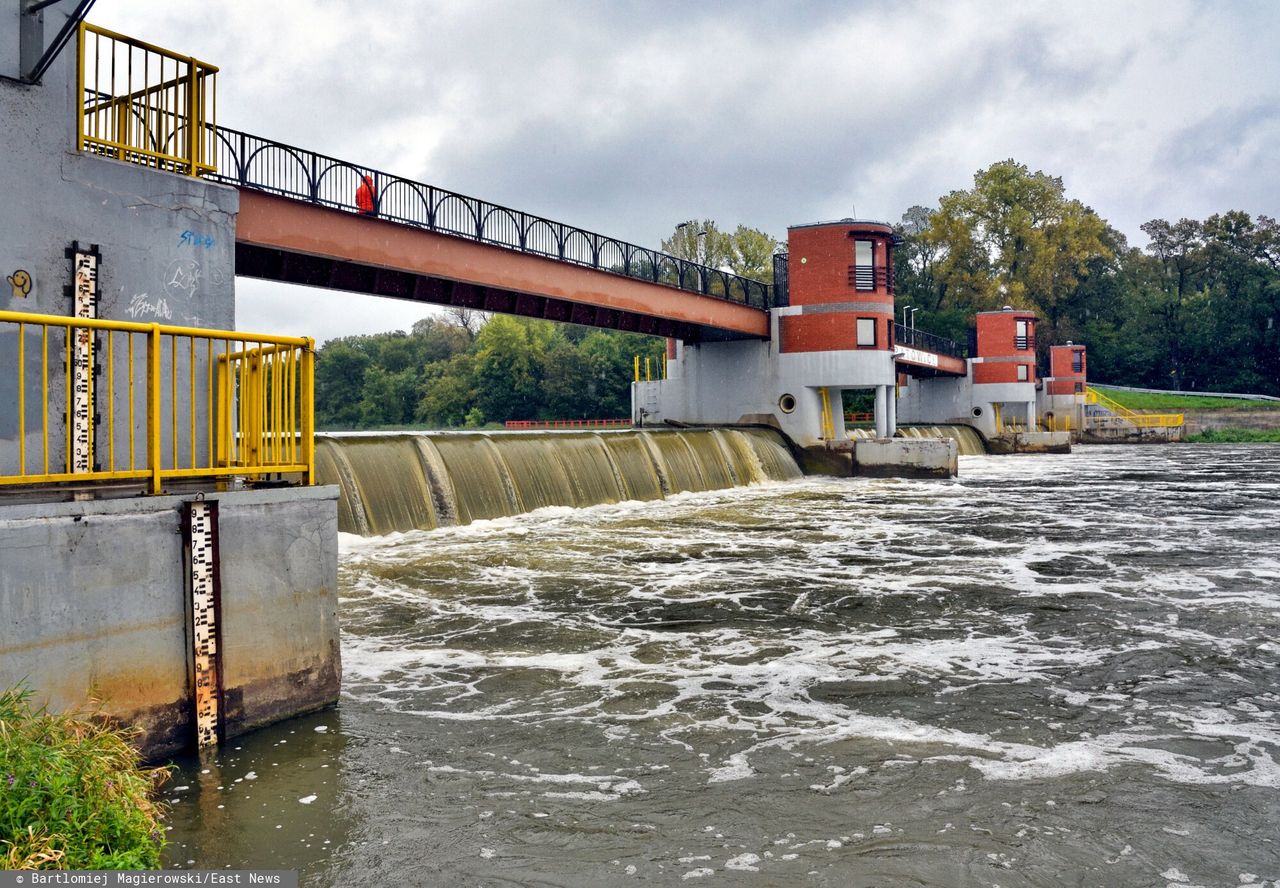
913, 317
905, 309
699, 245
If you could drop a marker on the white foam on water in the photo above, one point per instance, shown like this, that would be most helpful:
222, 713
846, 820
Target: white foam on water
677, 596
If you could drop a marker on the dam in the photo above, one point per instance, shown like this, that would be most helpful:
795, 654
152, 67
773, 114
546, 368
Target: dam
136, 417
420, 481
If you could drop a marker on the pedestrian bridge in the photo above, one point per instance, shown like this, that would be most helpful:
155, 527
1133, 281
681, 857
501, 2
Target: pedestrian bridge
300, 223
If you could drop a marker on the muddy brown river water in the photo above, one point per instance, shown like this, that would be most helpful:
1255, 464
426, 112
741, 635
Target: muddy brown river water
1056, 670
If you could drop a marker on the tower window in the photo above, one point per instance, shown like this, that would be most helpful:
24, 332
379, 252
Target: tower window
866, 332
1022, 339
864, 269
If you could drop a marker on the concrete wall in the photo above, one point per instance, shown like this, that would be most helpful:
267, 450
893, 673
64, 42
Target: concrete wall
167, 241
954, 400
94, 602
721, 383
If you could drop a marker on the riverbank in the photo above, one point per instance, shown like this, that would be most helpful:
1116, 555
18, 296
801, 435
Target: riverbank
1231, 435
72, 793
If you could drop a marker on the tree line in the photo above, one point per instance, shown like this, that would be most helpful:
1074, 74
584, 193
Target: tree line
466, 370
1195, 309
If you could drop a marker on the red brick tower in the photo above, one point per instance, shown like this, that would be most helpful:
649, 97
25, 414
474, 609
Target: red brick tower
841, 279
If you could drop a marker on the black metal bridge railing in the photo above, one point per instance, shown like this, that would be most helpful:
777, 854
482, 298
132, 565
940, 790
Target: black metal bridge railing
914, 338
250, 161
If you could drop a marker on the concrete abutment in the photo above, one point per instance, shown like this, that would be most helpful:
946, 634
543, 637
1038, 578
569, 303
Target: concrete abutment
95, 604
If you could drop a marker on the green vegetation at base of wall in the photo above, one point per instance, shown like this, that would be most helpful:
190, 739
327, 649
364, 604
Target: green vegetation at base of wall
1235, 436
1179, 401
72, 794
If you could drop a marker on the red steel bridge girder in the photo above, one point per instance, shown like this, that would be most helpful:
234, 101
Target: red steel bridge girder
296, 242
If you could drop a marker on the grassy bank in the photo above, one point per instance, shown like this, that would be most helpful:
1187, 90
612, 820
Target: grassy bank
72, 794
1235, 436
1176, 402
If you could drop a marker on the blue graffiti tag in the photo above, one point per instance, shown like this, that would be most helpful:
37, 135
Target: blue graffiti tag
191, 239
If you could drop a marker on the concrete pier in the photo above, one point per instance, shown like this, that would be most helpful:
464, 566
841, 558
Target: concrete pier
94, 604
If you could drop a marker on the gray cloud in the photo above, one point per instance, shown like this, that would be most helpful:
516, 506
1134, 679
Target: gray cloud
630, 116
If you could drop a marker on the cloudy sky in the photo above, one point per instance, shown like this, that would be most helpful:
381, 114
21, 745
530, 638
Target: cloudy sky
628, 117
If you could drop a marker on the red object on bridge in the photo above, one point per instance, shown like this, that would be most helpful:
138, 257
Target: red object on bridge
568, 424
364, 196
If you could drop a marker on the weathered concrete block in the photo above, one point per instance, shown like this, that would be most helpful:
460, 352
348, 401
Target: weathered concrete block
94, 603
1030, 442
907, 457
825, 461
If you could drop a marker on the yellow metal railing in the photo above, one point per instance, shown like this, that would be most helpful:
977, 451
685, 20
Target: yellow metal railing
1125, 415
154, 403
653, 367
145, 104
828, 419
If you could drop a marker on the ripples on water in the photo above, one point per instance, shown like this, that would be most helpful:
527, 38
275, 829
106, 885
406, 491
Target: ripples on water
1059, 670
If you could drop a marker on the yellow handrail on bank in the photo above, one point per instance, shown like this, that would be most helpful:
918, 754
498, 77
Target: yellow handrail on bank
145, 104
150, 403
1138, 420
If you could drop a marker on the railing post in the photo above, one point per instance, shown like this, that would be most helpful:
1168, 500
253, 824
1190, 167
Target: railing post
307, 397
153, 406
193, 99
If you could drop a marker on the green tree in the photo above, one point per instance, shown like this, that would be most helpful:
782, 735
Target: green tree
700, 241
1014, 238
507, 370
340, 369
751, 253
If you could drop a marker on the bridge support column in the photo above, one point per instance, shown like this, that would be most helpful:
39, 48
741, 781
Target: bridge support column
1031, 416
891, 401
882, 412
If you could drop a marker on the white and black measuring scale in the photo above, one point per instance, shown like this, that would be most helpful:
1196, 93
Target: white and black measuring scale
199, 516
84, 304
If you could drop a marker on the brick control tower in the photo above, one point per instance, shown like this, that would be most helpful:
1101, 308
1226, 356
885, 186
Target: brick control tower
1062, 398
841, 300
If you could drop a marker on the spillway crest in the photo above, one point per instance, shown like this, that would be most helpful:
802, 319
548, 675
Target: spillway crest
967, 438
421, 480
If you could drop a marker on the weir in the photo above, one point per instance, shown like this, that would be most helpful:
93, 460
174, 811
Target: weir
419, 481
969, 441
170, 461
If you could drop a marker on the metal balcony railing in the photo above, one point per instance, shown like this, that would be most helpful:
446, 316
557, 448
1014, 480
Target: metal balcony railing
1024, 343
146, 105
116, 401
914, 338
871, 277
250, 161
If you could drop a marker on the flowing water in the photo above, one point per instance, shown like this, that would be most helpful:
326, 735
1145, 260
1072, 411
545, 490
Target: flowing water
1056, 670
421, 481
968, 441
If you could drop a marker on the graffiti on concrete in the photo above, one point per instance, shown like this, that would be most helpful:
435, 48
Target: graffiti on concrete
20, 280
140, 306
190, 238
182, 278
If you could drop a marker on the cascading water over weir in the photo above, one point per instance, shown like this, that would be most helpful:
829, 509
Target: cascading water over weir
968, 441
419, 481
